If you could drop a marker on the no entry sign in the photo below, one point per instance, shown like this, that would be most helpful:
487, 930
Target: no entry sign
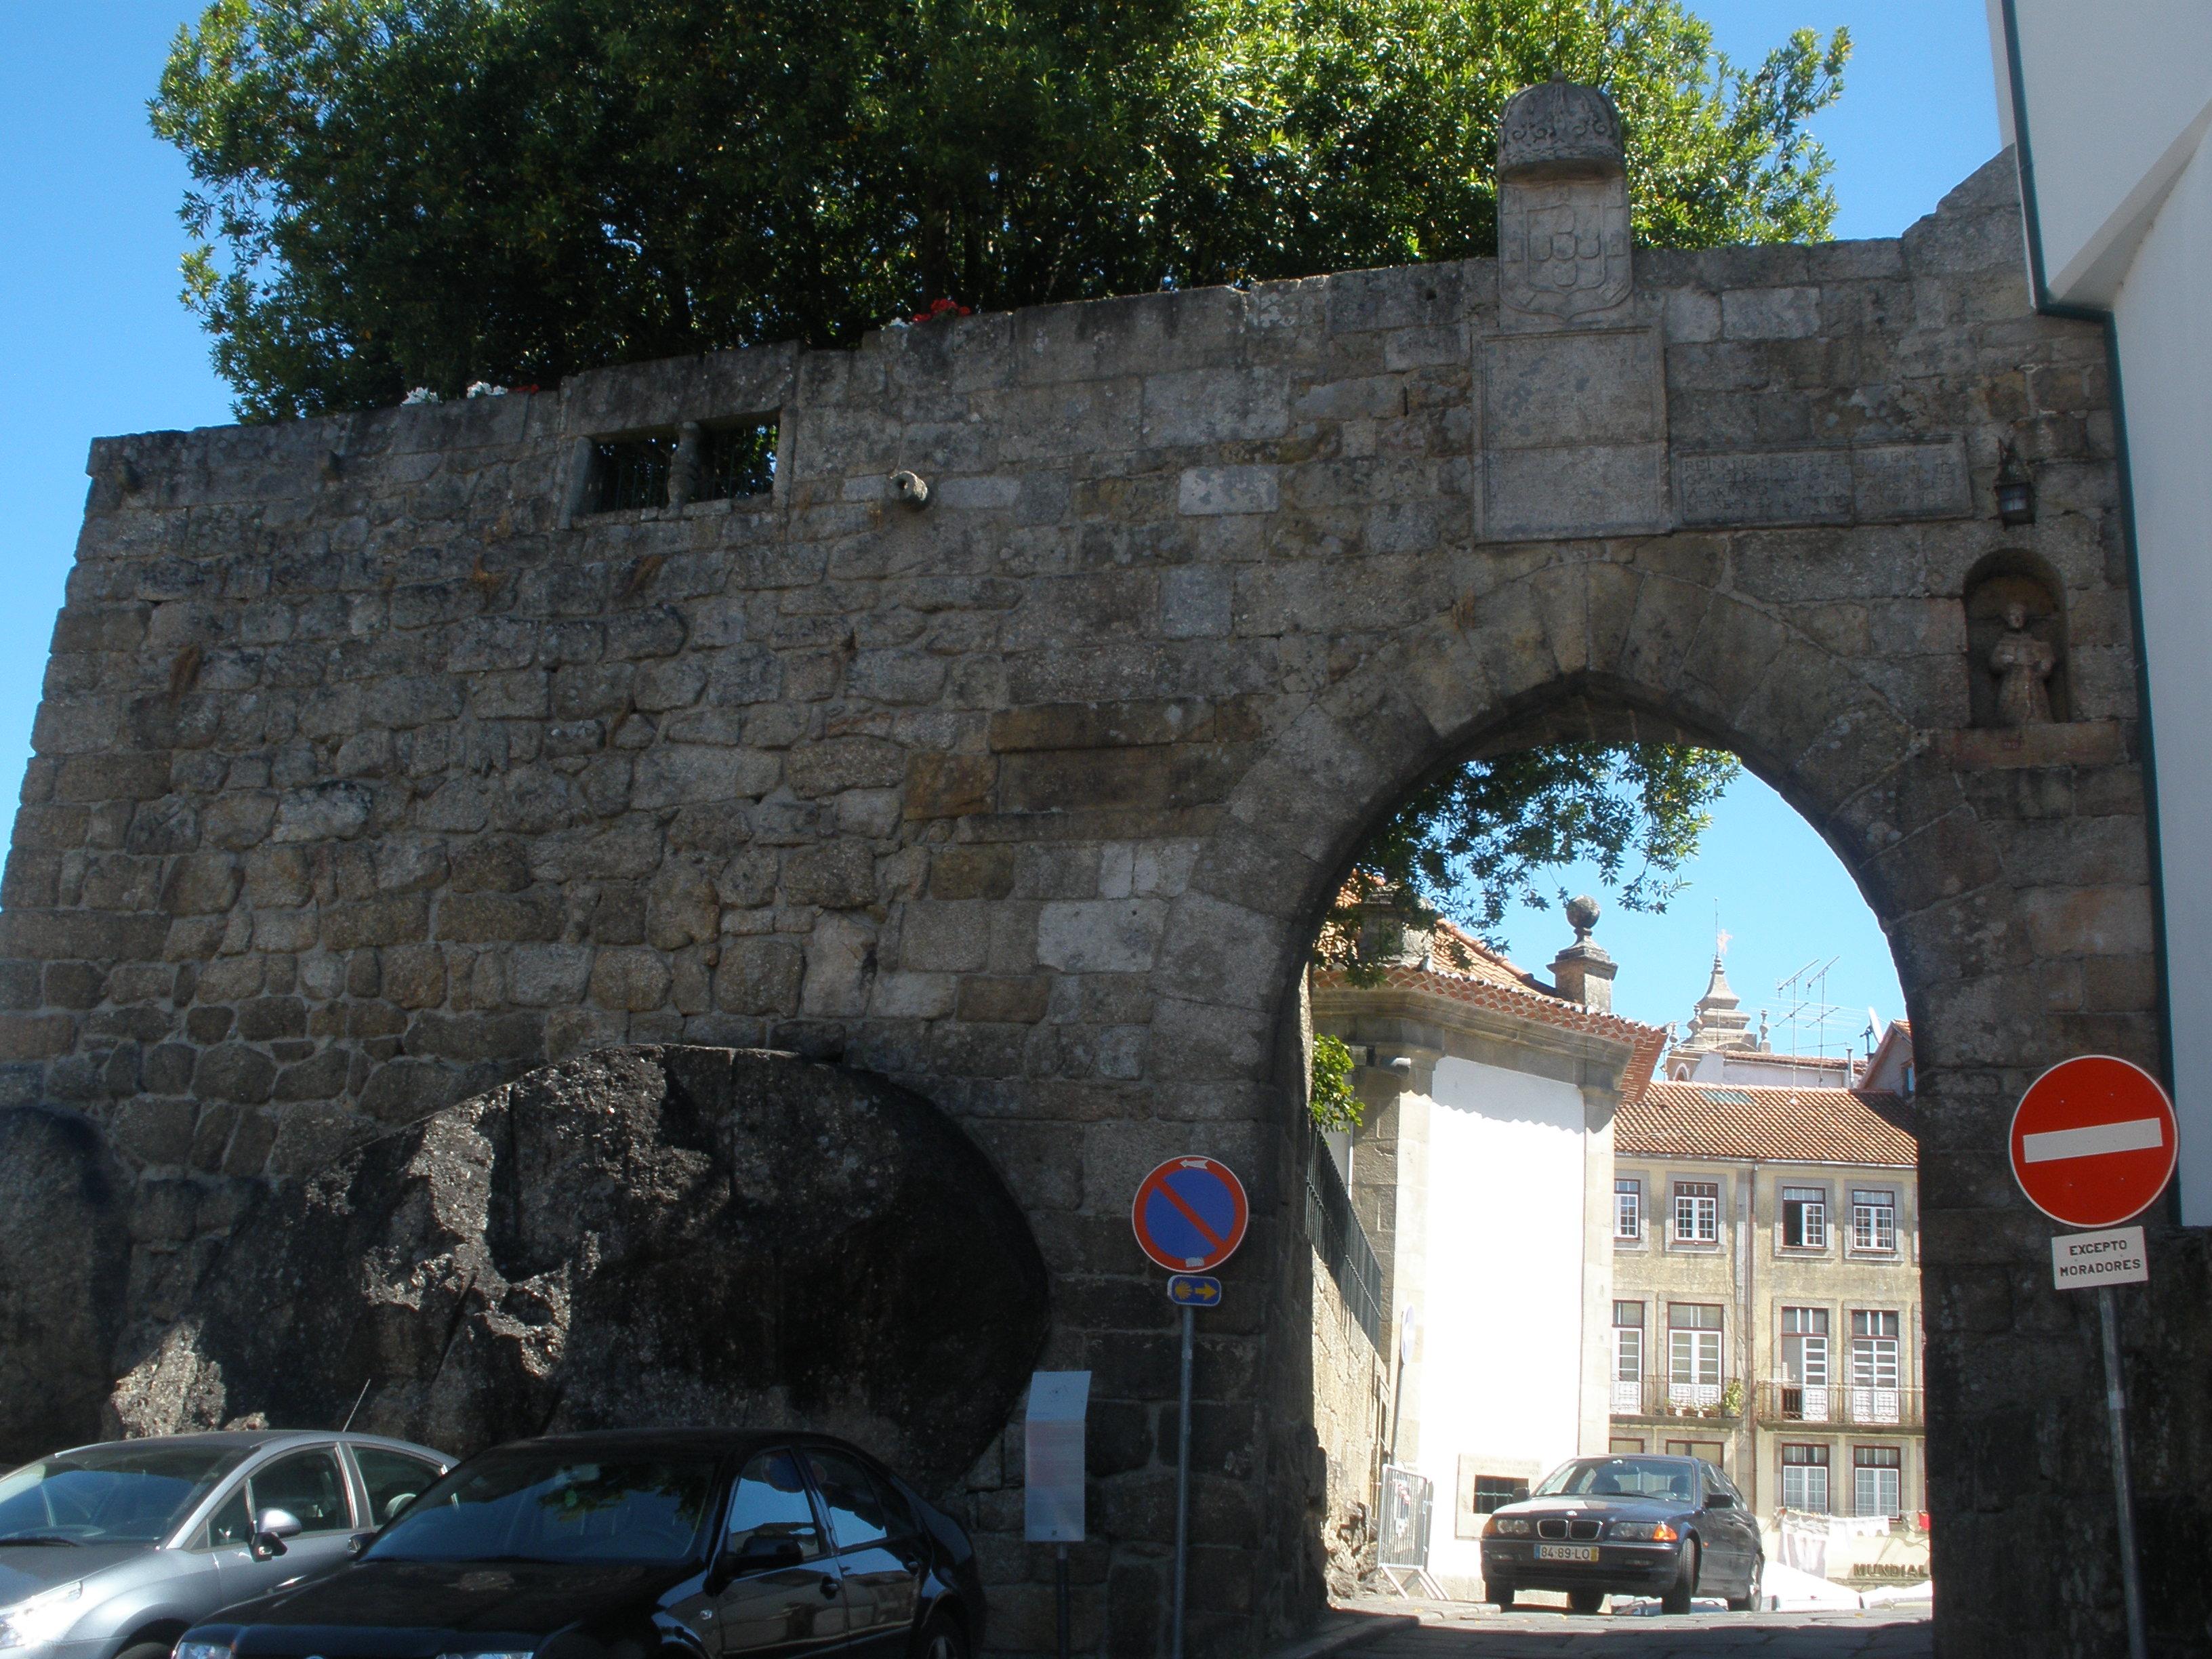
2093, 1141
1190, 1214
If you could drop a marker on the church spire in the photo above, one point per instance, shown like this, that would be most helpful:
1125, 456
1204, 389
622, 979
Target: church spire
1719, 1022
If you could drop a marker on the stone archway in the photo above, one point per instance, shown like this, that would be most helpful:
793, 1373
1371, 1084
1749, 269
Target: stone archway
1644, 645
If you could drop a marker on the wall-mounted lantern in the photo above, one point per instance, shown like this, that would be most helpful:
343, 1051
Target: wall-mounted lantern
2015, 489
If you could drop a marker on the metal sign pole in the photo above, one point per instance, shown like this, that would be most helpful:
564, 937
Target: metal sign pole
1183, 1480
1059, 1577
2116, 1401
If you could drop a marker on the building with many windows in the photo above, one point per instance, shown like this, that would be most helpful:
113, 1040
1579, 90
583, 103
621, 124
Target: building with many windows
1561, 1243
1767, 1310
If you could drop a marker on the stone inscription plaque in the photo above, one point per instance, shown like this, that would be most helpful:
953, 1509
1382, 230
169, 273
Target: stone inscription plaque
1875, 484
1542, 390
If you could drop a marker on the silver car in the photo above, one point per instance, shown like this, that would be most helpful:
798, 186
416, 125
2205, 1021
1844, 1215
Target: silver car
110, 1552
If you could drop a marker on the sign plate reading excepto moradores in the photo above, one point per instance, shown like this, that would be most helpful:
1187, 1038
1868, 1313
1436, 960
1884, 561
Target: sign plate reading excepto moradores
2082, 1262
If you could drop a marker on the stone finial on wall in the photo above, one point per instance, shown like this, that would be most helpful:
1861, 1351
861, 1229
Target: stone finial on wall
1562, 203
1583, 972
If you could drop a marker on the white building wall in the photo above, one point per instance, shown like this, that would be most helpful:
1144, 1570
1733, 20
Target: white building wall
2117, 100
1503, 1373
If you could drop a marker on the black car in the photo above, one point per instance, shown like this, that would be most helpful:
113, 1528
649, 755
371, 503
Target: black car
1626, 1525
632, 1544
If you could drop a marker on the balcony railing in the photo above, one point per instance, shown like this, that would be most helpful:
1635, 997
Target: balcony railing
1836, 1405
1657, 1396
1841, 1404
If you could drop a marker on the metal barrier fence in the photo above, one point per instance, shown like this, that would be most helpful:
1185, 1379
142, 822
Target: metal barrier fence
1341, 1242
1408, 1501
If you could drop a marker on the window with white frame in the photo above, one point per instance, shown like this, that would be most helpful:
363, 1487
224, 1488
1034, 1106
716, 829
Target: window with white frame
1874, 1219
1697, 1212
1627, 1356
1693, 1355
1875, 1365
1805, 1479
1873, 1348
1805, 1364
1628, 1209
1878, 1480
1805, 1218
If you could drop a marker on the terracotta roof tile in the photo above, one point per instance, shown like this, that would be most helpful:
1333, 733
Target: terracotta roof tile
1800, 1126
1487, 985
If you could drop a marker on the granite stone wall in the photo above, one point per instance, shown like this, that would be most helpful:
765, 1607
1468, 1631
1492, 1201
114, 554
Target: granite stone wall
373, 771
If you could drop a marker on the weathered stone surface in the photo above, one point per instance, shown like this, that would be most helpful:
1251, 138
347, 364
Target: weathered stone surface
1209, 580
636, 1235
65, 1252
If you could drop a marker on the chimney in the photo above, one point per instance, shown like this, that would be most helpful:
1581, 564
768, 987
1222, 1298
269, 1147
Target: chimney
1583, 972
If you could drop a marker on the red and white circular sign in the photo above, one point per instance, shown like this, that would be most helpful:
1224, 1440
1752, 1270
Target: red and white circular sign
2093, 1141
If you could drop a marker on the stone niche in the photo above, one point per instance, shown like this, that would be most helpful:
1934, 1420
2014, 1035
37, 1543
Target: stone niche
631, 1236
2006, 584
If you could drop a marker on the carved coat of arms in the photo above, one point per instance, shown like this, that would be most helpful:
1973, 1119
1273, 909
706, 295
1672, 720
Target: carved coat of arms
1563, 247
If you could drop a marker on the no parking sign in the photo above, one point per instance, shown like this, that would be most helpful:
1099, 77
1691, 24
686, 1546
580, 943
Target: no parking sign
1190, 1214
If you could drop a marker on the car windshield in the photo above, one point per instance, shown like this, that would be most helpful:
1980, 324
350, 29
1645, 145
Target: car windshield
551, 1505
116, 1494
1622, 1477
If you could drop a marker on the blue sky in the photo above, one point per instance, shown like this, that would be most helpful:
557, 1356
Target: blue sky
93, 341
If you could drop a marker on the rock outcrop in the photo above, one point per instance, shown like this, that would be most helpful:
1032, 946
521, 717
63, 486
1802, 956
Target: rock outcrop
631, 1237
65, 1246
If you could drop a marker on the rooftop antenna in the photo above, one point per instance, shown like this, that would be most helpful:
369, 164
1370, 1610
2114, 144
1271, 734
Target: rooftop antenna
1804, 997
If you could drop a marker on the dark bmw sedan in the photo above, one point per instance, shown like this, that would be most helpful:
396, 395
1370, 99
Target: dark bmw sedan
1668, 1527
622, 1545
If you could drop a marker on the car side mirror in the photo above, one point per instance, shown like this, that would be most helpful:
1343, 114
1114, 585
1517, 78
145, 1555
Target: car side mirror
357, 1543
270, 1529
761, 1552
1720, 1500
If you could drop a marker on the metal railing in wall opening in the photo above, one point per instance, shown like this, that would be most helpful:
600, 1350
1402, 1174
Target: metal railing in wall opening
1341, 1242
1841, 1404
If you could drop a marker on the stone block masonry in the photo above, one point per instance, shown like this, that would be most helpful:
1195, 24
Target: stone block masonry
372, 770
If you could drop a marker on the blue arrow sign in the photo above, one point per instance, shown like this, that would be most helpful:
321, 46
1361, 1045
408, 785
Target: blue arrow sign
1194, 1291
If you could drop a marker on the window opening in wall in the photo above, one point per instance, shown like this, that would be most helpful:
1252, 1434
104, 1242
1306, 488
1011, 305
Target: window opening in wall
1621, 1443
1873, 1221
673, 467
1711, 1451
1693, 1356
1495, 1491
1878, 1480
1628, 1209
1805, 1364
1697, 1211
1805, 1218
631, 473
1805, 1479
1628, 1356
1874, 1379
740, 461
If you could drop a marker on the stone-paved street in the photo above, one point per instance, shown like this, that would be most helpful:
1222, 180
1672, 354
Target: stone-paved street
1467, 1634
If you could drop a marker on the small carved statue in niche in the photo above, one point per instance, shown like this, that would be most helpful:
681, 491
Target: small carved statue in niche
2023, 666
2016, 660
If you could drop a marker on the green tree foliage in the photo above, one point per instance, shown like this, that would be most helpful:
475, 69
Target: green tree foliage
390, 193
1468, 845
1333, 1105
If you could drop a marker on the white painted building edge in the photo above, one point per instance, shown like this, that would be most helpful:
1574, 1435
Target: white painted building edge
2117, 108
1509, 1378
